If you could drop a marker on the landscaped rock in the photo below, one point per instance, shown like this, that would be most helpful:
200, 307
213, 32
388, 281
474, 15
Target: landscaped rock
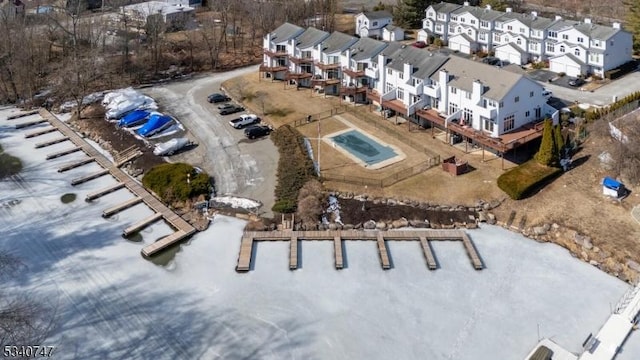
594, 263
472, 218
633, 265
555, 226
357, 226
539, 230
347, 227
491, 219
482, 216
391, 202
486, 206
376, 201
381, 225
333, 226
583, 241
369, 225
546, 227
400, 223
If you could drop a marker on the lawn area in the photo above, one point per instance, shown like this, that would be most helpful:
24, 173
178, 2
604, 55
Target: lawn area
525, 179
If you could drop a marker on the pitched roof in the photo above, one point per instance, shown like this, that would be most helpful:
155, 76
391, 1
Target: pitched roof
337, 41
444, 7
497, 82
310, 37
597, 31
535, 22
513, 46
366, 48
285, 32
571, 57
390, 50
479, 12
375, 15
391, 27
423, 62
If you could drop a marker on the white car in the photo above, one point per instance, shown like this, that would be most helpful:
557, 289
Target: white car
546, 93
244, 120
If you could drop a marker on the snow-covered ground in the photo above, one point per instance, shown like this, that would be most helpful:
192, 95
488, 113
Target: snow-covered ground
112, 303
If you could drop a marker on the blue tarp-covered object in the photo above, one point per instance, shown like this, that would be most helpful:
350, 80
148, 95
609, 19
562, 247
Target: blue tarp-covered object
134, 118
156, 123
612, 187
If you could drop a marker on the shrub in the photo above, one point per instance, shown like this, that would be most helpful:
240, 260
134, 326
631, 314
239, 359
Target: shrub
9, 165
525, 179
310, 202
547, 155
294, 168
561, 74
539, 65
437, 42
169, 182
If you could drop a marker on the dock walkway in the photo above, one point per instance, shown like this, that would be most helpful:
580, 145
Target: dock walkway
338, 236
184, 229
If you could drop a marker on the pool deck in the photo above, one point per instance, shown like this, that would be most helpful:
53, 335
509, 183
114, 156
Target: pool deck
400, 155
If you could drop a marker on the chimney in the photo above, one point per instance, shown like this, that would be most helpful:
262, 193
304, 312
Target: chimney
488, 7
466, 3
478, 89
508, 10
587, 21
616, 25
534, 14
558, 17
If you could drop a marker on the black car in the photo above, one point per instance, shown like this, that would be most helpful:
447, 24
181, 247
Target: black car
217, 98
256, 131
491, 60
576, 82
230, 109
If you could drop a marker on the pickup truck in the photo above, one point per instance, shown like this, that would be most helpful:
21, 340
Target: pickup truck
244, 120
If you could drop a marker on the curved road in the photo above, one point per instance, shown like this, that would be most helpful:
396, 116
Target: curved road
240, 167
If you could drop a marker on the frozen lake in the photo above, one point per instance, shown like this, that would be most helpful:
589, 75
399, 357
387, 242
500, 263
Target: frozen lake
112, 303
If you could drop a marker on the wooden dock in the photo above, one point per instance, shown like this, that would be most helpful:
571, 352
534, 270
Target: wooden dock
141, 224
40, 132
17, 116
63, 152
183, 228
76, 164
122, 206
30, 123
51, 142
338, 236
102, 192
84, 179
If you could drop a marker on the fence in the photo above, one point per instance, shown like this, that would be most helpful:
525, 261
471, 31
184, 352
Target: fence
386, 181
319, 116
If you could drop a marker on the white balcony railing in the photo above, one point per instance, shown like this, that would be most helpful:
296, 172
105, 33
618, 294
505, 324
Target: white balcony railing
389, 95
433, 91
415, 106
371, 72
485, 112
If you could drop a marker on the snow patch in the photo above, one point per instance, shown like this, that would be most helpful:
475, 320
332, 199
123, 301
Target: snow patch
236, 202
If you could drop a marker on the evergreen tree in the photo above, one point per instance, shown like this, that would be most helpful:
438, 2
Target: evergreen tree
547, 154
633, 21
409, 13
559, 140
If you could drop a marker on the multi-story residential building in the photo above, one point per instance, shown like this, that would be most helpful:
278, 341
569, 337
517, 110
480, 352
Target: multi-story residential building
304, 50
370, 24
573, 47
277, 49
331, 61
359, 59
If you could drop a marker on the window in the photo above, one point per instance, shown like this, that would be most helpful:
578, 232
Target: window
375, 65
467, 95
496, 37
484, 24
488, 124
469, 32
527, 113
565, 37
553, 34
519, 41
400, 93
561, 48
401, 75
440, 16
521, 30
467, 115
531, 94
281, 48
538, 112
576, 52
438, 27
596, 43
509, 122
517, 98
306, 54
509, 27
501, 104
533, 46
550, 47
462, 20
452, 29
453, 108
430, 14
389, 87
375, 23
473, 21
483, 36
389, 72
484, 103
453, 90
454, 18
580, 40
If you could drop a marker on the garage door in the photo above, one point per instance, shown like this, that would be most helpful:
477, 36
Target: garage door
568, 69
515, 59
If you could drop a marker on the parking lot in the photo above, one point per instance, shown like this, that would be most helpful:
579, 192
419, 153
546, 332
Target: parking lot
240, 166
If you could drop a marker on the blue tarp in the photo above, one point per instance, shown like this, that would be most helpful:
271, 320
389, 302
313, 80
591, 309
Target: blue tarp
611, 183
156, 123
134, 118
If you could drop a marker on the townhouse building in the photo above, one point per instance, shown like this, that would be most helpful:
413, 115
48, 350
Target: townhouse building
572, 47
371, 23
482, 102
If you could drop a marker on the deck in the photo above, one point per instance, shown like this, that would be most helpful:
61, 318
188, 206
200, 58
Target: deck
338, 236
183, 228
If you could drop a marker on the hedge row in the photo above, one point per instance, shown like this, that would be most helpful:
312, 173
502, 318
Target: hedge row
525, 179
176, 182
294, 168
593, 115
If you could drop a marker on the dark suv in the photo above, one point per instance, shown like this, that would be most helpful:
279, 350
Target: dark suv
256, 131
216, 98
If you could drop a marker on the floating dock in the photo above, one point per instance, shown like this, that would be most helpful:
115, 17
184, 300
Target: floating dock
63, 153
122, 206
51, 142
30, 123
102, 192
40, 132
165, 242
84, 179
76, 164
338, 236
141, 224
17, 116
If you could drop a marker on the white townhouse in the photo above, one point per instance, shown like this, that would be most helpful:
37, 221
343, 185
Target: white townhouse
330, 62
304, 51
370, 24
573, 47
355, 75
276, 50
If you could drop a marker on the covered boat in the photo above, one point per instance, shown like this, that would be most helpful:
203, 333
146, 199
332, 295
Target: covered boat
137, 117
171, 146
156, 123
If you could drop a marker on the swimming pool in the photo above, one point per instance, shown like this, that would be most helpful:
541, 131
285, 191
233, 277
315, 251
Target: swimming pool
363, 147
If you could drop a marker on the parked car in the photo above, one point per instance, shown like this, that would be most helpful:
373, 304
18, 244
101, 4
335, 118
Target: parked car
230, 109
256, 131
546, 93
419, 44
244, 120
491, 60
576, 82
217, 98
